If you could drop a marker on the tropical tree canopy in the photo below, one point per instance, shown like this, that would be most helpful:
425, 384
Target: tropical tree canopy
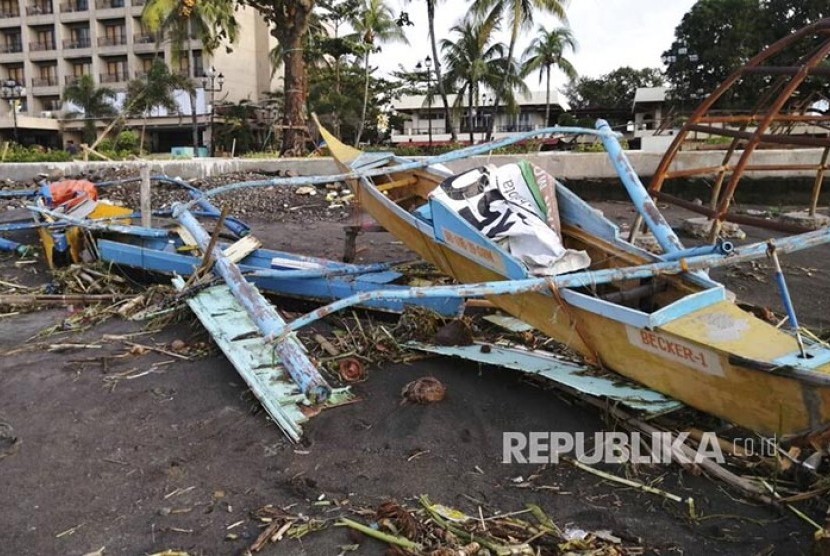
613, 91
716, 37
375, 24
155, 90
92, 101
213, 21
518, 15
546, 52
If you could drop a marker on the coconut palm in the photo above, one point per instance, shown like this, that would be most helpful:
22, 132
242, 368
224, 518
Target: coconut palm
155, 90
375, 24
211, 21
93, 103
439, 80
519, 16
472, 62
547, 51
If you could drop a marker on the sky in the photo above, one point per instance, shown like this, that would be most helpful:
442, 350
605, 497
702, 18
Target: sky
609, 33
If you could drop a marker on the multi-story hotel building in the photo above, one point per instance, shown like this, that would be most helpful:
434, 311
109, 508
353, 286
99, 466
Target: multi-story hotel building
46, 44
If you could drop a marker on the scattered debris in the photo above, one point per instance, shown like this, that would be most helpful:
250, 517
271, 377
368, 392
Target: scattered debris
425, 390
351, 370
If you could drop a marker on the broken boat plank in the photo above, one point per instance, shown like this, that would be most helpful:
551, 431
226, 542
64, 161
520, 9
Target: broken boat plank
239, 339
551, 367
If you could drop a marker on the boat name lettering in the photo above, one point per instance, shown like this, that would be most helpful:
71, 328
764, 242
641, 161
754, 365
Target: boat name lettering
676, 350
478, 251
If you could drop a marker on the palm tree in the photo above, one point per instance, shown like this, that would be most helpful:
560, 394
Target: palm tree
93, 103
212, 21
156, 90
442, 90
472, 61
375, 23
519, 15
547, 51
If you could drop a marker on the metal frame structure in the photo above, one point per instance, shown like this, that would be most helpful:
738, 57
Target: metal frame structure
772, 122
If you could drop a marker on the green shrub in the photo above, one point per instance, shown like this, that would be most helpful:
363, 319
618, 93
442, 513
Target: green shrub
35, 153
128, 141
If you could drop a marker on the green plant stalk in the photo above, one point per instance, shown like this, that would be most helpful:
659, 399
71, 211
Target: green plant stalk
499, 549
381, 536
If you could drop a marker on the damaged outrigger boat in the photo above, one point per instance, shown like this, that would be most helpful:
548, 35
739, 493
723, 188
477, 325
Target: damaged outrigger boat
521, 239
657, 319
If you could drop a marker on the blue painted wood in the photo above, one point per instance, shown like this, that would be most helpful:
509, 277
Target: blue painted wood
449, 227
270, 323
252, 357
561, 371
619, 313
658, 226
687, 305
817, 355
154, 259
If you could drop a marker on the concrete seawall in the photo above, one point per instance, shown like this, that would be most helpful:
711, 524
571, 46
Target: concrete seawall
567, 165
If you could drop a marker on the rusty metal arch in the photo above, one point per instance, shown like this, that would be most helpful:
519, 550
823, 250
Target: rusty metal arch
772, 121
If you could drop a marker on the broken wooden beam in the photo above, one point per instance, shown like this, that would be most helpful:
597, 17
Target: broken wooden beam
289, 349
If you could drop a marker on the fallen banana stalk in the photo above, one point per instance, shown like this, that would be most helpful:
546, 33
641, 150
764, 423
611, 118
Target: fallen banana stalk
381, 536
690, 502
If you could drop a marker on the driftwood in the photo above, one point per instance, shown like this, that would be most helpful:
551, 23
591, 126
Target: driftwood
44, 300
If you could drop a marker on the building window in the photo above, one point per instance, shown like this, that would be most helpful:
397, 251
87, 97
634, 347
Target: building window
114, 34
44, 40
11, 43
9, 8
78, 38
80, 68
184, 66
198, 64
16, 74
116, 70
47, 76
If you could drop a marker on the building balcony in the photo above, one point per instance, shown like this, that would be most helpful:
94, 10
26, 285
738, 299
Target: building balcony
72, 79
109, 4
118, 40
74, 10
40, 8
9, 14
80, 42
117, 77
11, 48
41, 46
45, 86
75, 6
45, 82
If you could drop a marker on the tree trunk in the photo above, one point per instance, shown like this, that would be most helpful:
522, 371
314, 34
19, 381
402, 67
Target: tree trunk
513, 36
291, 31
438, 79
362, 125
195, 121
547, 96
143, 131
471, 118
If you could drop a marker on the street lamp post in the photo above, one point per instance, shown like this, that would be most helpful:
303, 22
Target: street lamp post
428, 64
13, 91
216, 83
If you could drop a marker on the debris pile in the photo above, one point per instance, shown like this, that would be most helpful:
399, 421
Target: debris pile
438, 530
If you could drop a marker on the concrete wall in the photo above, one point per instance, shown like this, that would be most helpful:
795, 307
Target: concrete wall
562, 165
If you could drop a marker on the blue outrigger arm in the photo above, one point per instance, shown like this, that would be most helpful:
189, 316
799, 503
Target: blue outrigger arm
586, 278
289, 349
663, 233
